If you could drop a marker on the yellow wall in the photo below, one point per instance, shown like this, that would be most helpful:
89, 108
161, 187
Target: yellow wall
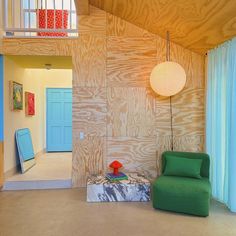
35, 81
50, 79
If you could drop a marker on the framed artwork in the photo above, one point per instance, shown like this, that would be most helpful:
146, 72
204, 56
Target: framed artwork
29, 104
16, 96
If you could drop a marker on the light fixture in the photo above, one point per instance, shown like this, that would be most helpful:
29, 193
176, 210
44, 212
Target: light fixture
168, 79
48, 66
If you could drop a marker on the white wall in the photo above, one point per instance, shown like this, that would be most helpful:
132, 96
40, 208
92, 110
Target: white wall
35, 81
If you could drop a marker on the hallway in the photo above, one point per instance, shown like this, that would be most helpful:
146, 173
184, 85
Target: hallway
50, 167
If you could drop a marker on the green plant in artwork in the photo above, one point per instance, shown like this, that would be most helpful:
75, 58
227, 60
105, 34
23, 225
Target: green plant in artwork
17, 95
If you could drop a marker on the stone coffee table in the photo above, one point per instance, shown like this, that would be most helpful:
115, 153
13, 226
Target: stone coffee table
135, 189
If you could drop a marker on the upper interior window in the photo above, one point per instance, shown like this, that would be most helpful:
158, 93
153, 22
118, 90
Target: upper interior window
41, 18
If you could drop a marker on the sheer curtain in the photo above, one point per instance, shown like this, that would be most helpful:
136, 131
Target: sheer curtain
221, 122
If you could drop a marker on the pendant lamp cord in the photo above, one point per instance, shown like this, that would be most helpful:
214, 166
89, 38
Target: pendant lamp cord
171, 126
171, 113
167, 46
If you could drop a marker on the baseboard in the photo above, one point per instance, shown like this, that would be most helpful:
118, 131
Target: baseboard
8, 174
37, 184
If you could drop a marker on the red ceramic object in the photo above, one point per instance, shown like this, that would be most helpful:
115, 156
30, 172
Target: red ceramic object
116, 165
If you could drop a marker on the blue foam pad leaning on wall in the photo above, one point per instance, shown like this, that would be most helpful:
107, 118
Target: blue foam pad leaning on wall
25, 149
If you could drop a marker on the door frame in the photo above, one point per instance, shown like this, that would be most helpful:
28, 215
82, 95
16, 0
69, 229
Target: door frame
46, 114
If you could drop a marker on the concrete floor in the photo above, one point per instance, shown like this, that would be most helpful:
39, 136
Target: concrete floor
49, 166
66, 213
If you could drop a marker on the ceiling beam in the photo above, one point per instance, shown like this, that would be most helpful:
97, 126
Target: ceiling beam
82, 7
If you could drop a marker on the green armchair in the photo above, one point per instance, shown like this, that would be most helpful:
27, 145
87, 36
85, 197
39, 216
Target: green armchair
184, 194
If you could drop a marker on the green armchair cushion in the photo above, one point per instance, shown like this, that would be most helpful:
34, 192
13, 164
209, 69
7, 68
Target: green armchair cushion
185, 167
190, 155
181, 194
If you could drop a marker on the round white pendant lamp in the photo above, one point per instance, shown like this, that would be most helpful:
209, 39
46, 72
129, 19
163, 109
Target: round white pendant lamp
168, 78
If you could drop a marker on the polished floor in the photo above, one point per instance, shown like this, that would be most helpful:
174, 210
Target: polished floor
49, 166
66, 213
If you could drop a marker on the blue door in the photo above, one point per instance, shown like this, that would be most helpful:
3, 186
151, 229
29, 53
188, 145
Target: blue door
59, 120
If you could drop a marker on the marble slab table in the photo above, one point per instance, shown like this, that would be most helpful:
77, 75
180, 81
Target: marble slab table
135, 189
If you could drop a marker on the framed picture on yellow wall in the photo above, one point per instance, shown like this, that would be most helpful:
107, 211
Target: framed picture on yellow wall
29, 104
16, 96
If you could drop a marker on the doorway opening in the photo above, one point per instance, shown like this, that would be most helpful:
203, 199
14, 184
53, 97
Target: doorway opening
48, 82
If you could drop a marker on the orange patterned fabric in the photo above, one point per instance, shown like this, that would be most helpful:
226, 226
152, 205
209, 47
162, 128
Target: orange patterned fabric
58, 18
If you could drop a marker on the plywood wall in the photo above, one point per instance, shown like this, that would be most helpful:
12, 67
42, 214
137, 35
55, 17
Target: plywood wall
113, 104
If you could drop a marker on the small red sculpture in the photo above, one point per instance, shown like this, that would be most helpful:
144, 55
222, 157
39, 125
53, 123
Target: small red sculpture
116, 165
